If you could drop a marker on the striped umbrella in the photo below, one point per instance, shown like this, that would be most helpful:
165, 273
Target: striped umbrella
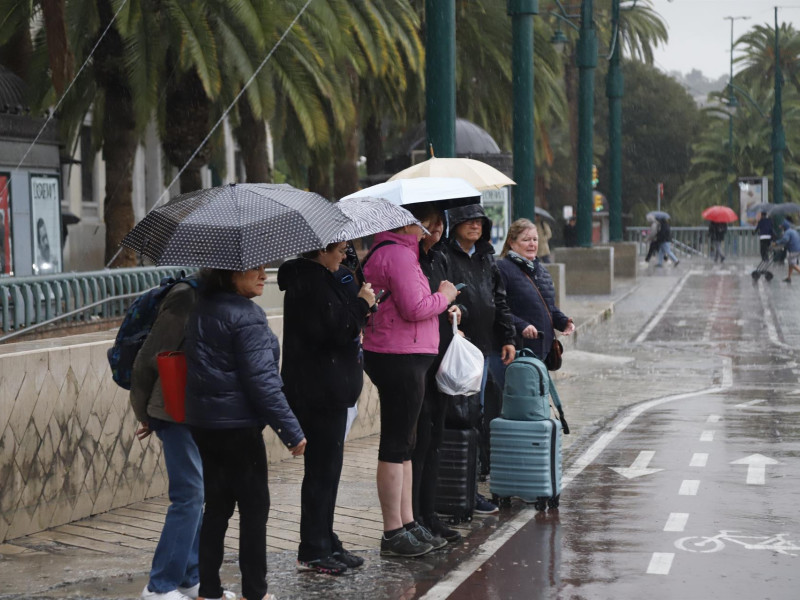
369, 216
236, 227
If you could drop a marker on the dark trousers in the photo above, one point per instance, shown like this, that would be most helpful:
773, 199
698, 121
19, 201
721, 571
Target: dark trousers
234, 472
323, 467
764, 248
425, 459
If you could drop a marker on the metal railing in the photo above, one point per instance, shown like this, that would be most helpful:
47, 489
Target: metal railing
77, 296
739, 241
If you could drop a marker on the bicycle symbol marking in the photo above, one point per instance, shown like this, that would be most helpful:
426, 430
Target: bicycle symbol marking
704, 544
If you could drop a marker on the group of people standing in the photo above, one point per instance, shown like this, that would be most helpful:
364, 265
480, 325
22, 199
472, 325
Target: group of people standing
334, 331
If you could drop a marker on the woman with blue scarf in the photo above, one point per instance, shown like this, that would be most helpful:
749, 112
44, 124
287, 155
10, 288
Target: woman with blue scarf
530, 292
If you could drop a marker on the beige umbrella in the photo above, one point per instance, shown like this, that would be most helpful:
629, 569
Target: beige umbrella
478, 174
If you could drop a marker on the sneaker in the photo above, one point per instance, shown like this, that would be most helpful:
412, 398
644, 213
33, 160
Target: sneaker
192, 592
788, 280
172, 595
426, 537
437, 527
348, 558
404, 544
677, 262
226, 595
484, 507
326, 566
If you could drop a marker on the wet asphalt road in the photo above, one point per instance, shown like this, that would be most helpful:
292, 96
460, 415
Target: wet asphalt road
694, 495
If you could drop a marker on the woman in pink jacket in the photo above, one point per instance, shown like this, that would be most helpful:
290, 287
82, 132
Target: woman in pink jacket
400, 342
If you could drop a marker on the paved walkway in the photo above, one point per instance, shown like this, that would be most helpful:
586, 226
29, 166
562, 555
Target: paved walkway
108, 555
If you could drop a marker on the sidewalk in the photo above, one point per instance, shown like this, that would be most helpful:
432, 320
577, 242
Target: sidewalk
108, 555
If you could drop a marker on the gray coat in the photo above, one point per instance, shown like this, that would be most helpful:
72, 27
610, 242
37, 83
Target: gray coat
167, 334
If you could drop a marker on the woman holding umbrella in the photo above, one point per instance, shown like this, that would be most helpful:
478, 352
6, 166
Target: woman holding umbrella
323, 319
718, 216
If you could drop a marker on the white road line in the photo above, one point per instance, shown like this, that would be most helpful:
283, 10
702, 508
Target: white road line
707, 436
660, 563
689, 487
664, 308
699, 459
769, 319
459, 575
713, 419
676, 522
750, 403
712, 314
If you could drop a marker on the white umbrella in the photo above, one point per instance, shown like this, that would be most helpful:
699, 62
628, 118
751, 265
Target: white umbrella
455, 191
369, 216
478, 174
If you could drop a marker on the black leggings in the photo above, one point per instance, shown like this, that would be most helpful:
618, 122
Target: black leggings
400, 379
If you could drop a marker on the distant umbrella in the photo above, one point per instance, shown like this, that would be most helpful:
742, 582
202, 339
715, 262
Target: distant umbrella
781, 210
544, 214
657, 214
369, 216
236, 227
719, 214
760, 207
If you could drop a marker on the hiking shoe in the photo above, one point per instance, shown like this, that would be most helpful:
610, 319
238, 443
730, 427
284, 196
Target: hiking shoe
326, 566
426, 537
404, 544
348, 558
192, 592
171, 595
484, 507
437, 527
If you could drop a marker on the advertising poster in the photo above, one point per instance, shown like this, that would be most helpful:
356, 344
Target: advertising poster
752, 191
6, 261
46, 221
495, 203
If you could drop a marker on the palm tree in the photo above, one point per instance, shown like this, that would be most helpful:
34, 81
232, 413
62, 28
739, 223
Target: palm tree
758, 59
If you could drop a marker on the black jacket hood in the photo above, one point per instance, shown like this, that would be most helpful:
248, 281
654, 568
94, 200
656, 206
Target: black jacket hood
456, 216
289, 271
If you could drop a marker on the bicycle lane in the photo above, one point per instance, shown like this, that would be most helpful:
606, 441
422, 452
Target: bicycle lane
691, 466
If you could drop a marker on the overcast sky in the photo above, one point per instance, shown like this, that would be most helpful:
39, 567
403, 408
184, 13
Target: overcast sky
700, 37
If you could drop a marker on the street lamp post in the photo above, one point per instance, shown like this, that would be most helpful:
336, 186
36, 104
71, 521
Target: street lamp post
587, 61
732, 104
614, 91
778, 134
440, 76
522, 12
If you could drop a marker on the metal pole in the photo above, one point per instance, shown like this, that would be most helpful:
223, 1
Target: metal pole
778, 135
730, 126
522, 12
440, 76
587, 61
614, 91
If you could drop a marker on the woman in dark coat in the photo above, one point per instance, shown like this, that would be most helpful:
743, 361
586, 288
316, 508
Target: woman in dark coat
530, 291
233, 390
322, 375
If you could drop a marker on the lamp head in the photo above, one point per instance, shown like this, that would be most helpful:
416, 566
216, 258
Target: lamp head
559, 40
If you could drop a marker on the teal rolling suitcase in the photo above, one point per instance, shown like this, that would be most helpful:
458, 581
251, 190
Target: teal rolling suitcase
526, 461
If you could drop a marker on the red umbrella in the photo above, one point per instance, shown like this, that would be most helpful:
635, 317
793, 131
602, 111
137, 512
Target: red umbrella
719, 214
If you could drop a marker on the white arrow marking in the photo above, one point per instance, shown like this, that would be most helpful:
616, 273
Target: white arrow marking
750, 403
639, 466
756, 467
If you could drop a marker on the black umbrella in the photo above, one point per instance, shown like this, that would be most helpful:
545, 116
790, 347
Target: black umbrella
236, 227
544, 214
781, 210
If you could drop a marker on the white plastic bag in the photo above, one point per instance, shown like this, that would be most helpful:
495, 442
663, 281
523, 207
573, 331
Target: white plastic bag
461, 370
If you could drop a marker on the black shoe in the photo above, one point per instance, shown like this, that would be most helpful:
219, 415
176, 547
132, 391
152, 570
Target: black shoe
788, 280
348, 558
326, 566
437, 527
403, 544
484, 507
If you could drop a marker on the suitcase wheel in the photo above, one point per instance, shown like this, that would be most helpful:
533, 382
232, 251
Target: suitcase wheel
768, 276
454, 520
541, 503
755, 275
553, 502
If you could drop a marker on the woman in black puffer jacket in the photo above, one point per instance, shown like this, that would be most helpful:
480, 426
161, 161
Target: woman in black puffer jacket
233, 390
530, 291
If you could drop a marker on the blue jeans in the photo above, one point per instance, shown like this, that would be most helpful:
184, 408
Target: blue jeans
175, 560
665, 248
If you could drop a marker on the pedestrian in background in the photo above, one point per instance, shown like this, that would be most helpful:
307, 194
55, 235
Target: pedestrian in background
545, 234
766, 234
322, 375
716, 233
651, 238
233, 390
489, 325
430, 425
791, 241
570, 233
530, 293
401, 342
174, 572
664, 239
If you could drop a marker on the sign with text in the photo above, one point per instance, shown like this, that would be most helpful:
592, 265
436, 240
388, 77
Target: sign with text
6, 261
46, 221
495, 203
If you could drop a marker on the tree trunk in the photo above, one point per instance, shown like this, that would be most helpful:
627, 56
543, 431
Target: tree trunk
58, 51
319, 175
188, 114
373, 146
252, 137
15, 55
345, 167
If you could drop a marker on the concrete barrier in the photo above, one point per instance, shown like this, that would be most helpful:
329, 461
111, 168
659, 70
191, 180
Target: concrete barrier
626, 258
556, 271
588, 270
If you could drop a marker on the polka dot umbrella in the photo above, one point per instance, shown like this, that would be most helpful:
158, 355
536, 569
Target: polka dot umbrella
236, 227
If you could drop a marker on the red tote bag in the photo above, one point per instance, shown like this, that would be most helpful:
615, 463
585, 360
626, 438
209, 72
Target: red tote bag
172, 372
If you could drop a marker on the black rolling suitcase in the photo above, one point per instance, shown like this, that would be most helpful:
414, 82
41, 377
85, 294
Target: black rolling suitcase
457, 486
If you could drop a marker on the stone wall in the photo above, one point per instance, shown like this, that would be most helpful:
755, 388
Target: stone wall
67, 444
